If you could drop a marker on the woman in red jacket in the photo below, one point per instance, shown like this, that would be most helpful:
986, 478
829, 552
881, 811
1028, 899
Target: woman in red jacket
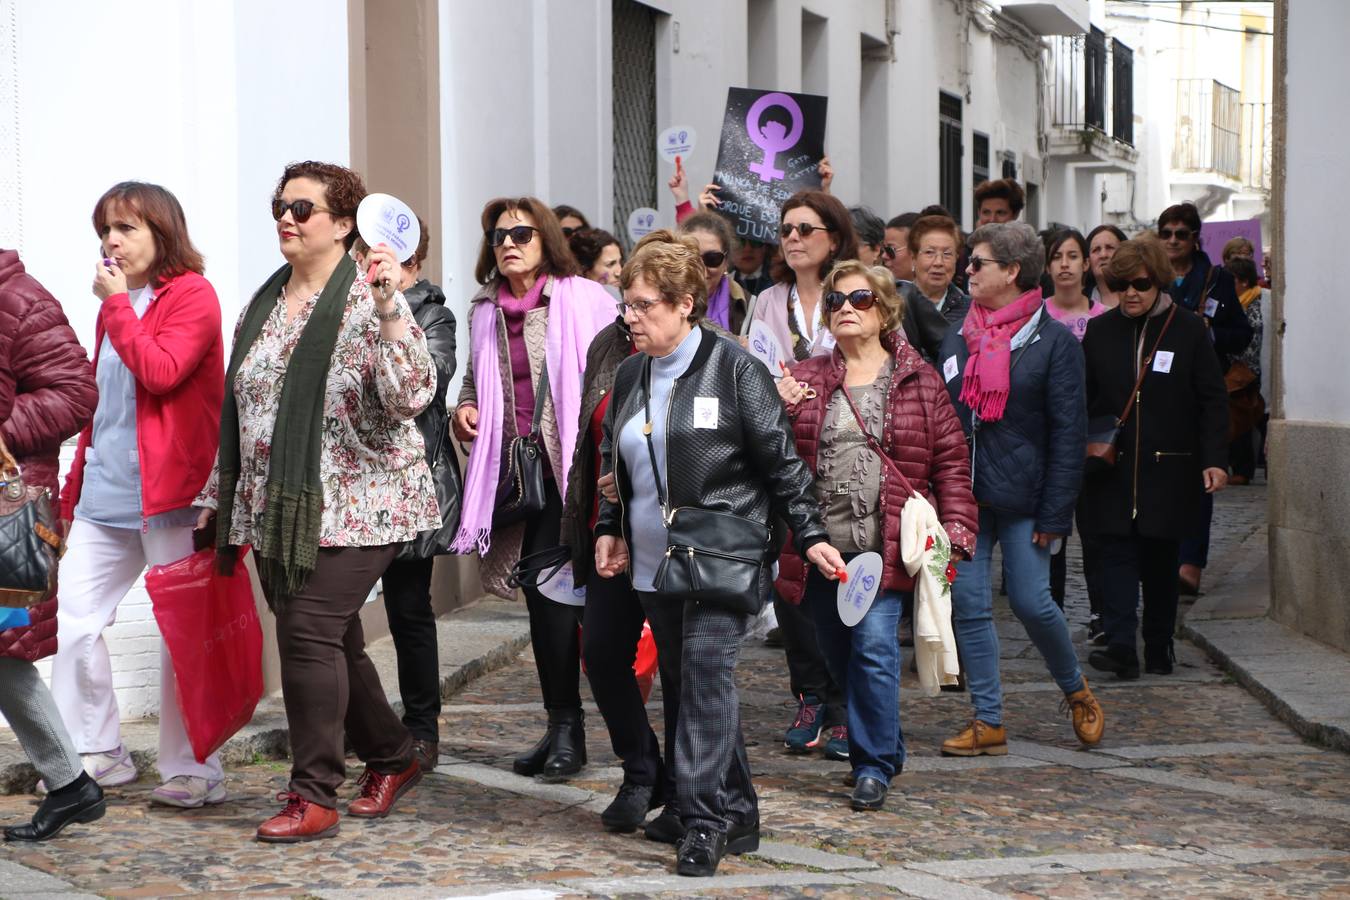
47, 393
159, 362
905, 407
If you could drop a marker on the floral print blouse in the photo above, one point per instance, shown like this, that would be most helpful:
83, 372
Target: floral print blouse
377, 488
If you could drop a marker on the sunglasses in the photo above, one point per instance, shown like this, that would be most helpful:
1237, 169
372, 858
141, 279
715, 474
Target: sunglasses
860, 300
520, 235
713, 258
888, 251
1119, 285
806, 229
978, 262
301, 210
1181, 234
569, 230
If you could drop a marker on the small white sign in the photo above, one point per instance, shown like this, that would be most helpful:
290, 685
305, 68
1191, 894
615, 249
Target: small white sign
678, 140
763, 346
950, 369
561, 588
641, 222
382, 219
856, 595
705, 412
1163, 361
1211, 307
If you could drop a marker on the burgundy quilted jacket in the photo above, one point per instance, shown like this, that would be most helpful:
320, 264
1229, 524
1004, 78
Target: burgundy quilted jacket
921, 433
47, 394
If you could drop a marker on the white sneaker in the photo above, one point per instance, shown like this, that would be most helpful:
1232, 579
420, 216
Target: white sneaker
108, 769
189, 792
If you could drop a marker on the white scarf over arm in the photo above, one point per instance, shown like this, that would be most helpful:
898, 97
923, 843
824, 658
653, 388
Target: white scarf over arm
934, 642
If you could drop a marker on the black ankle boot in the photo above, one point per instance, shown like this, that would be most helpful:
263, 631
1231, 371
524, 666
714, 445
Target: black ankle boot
568, 751
1158, 659
532, 763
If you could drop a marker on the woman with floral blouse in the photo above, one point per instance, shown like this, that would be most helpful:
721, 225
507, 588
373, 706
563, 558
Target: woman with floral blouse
322, 470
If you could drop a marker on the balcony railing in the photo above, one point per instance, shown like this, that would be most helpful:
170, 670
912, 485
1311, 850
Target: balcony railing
1209, 128
1092, 84
1255, 172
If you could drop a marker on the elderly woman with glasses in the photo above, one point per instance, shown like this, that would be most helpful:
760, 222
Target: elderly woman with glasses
530, 325
873, 379
934, 246
693, 425
1015, 376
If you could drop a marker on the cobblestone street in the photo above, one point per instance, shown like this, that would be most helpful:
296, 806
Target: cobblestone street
1196, 790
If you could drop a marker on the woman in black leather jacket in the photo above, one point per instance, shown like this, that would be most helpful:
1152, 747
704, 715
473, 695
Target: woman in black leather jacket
720, 436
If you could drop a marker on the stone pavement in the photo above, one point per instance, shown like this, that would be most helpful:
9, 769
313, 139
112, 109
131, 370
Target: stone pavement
1197, 790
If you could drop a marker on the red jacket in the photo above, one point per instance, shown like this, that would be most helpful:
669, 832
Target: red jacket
47, 393
921, 434
178, 357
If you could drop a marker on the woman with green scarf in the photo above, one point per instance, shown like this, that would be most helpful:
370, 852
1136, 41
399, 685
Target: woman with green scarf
322, 470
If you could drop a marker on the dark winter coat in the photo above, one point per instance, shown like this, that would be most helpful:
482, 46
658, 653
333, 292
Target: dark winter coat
1214, 298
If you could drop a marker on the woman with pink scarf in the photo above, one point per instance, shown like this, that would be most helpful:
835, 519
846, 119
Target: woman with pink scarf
1015, 376
533, 313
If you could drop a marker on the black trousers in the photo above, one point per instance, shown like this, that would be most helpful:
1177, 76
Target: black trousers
1091, 575
1242, 454
614, 618
412, 624
1059, 572
553, 625
807, 672
1125, 563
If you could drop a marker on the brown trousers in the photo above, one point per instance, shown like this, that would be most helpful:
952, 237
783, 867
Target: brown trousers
328, 683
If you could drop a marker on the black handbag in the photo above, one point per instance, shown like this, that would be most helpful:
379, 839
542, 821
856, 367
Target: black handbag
712, 557
30, 546
520, 491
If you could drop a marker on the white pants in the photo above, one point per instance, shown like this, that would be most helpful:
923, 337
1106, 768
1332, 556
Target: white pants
99, 568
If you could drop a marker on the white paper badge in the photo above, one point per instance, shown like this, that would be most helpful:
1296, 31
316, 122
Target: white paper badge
561, 588
641, 222
705, 412
856, 595
1211, 307
763, 346
382, 219
1163, 361
678, 140
950, 369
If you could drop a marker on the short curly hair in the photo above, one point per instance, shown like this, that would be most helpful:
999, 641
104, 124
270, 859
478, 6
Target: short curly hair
343, 189
673, 265
1145, 252
890, 304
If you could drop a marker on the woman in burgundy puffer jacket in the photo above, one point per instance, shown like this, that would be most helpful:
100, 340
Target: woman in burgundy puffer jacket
47, 394
906, 408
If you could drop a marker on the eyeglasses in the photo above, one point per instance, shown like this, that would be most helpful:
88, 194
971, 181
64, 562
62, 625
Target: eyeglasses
805, 229
1118, 285
639, 308
569, 230
301, 210
978, 262
932, 254
860, 300
713, 258
1181, 234
888, 251
520, 235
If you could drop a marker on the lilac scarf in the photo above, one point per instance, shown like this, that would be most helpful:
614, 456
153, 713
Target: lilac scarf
578, 310
719, 304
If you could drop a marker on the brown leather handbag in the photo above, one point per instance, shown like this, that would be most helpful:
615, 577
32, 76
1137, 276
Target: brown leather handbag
1104, 431
30, 544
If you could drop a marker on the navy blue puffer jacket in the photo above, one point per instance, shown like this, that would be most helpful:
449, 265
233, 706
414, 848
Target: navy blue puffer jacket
1030, 462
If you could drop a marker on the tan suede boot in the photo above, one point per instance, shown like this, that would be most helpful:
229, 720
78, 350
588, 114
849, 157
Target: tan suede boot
979, 739
1088, 719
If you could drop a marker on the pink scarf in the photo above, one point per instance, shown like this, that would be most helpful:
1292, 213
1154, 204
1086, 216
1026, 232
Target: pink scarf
989, 333
578, 309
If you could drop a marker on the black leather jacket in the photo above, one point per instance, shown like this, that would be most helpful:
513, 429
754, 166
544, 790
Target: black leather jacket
427, 303
748, 465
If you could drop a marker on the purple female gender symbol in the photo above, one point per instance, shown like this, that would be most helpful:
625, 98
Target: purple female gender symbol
772, 138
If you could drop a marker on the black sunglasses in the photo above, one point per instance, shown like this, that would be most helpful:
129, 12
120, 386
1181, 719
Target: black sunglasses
301, 210
569, 230
520, 235
1181, 234
713, 258
1118, 285
860, 300
888, 251
806, 229
977, 262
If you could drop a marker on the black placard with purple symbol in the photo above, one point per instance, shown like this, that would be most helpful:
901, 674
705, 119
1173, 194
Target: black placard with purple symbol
772, 142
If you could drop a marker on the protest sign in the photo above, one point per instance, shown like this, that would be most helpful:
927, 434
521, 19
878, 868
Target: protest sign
676, 141
641, 222
771, 144
382, 219
1216, 234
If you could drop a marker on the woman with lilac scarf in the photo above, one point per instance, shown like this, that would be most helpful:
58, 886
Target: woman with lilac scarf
727, 302
1015, 376
533, 311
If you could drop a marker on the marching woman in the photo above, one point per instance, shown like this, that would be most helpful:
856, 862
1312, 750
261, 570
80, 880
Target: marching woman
530, 325
138, 467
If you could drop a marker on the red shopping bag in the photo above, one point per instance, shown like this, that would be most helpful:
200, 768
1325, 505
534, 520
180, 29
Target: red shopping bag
210, 625
644, 666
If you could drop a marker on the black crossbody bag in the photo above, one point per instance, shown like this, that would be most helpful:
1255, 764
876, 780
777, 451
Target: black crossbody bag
712, 557
520, 492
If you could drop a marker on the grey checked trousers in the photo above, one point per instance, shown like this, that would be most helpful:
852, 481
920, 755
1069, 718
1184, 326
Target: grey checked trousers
27, 705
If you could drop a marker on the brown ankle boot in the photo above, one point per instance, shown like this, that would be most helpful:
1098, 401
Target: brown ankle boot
979, 739
1088, 719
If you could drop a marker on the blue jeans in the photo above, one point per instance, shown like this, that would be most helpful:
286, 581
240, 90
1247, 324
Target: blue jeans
1028, 571
864, 662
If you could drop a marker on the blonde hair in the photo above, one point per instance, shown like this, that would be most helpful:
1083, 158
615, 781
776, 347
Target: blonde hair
673, 265
890, 304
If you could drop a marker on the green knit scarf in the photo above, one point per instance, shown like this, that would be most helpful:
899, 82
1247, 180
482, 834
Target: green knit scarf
287, 542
